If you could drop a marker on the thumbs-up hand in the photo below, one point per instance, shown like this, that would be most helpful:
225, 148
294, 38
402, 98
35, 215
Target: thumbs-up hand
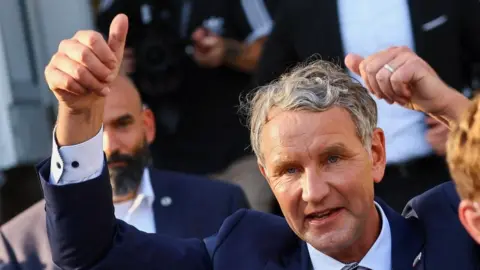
79, 75
81, 70
398, 75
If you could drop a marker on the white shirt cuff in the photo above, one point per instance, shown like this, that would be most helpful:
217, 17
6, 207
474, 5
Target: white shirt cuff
259, 33
77, 163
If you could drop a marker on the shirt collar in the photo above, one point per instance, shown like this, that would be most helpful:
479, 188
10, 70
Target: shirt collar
378, 257
145, 189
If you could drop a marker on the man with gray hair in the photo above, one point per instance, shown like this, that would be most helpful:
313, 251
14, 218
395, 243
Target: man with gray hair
315, 136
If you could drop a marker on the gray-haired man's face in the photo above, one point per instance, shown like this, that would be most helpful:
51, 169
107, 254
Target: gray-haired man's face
323, 177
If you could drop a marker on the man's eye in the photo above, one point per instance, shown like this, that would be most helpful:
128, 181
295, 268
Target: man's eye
333, 159
291, 170
122, 124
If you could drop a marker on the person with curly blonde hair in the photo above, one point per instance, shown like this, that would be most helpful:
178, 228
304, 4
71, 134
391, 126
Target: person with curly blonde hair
463, 156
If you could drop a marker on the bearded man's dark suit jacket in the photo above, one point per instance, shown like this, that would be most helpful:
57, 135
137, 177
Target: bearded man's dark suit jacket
198, 208
431, 238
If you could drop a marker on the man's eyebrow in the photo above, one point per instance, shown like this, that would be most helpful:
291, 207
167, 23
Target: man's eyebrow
332, 148
124, 118
336, 147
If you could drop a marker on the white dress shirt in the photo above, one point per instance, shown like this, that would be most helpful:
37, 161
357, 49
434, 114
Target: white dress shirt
367, 27
377, 258
84, 161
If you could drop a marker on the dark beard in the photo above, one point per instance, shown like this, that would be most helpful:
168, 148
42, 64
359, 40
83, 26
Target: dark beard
126, 179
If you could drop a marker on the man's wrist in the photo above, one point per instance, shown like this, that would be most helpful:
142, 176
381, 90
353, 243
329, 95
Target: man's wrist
77, 126
457, 104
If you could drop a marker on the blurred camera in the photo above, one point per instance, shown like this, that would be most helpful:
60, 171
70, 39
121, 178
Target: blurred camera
159, 51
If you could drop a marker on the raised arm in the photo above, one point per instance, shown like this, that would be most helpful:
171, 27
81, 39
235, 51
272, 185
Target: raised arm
82, 229
398, 75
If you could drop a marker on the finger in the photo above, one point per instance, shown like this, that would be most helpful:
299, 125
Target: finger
374, 65
210, 41
352, 61
118, 36
199, 34
399, 78
59, 81
86, 57
398, 63
79, 73
97, 44
364, 76
430, 121
438, 130
383, 80
398, 92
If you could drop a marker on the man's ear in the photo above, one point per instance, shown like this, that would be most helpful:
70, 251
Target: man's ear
469, 215
378, 155
149, 125
262, 170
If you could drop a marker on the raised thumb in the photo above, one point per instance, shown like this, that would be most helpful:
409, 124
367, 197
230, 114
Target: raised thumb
352, 61
118, 36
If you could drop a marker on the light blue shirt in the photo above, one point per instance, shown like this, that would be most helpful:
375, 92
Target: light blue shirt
369, 26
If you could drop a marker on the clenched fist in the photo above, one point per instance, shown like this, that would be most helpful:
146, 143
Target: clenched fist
398, 75
79, 75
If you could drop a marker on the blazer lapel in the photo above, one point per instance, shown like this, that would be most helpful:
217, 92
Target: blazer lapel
407, 240
298, 259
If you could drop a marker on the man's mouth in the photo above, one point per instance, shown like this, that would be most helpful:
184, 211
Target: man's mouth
117, 164
323, 215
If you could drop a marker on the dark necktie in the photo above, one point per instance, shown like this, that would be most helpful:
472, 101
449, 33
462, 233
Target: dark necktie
354, 266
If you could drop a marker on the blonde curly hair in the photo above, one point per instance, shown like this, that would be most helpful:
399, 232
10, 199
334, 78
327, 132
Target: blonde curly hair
463, 152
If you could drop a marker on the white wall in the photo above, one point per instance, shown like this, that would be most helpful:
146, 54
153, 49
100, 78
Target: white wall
30, 31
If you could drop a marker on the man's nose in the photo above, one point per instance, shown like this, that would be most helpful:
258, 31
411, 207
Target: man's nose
314, 187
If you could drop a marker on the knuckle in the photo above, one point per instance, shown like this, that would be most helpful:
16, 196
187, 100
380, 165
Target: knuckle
396, 78
84, 55
64, 43
92, 38
417, 61
47, 71
68, 82
380, 76
370, 69
79, 34
81, 73
55, 60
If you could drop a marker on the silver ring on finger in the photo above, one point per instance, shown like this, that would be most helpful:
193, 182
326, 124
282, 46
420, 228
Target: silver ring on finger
389, 68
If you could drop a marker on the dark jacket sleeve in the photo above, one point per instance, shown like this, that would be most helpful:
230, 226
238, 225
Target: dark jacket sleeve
239, 200
84, 234
278, 53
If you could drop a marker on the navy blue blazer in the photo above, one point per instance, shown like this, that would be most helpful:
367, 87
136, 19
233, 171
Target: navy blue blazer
198, 208
430, 238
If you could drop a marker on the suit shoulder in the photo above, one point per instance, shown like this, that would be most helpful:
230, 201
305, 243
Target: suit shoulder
29, 220
253, 230
27, 233
444, 194
438, 203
